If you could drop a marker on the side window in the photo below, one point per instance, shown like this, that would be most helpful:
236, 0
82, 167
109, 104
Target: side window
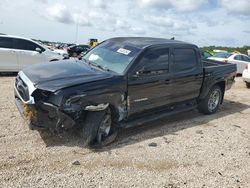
155, 60
6, 42
184, 59
79, 48
25, 45
238, 57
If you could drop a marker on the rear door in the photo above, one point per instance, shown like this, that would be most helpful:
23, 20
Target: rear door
27, 54
238, 60
8, 56
148, 85
245, 61
187, 74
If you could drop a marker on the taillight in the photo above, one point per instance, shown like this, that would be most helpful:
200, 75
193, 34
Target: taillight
226, 61
246, 66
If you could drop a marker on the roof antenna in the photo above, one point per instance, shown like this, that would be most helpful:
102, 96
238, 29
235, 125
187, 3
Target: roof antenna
172, 38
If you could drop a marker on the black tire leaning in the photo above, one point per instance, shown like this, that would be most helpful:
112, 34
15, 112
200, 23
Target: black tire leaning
203, 106
91, 128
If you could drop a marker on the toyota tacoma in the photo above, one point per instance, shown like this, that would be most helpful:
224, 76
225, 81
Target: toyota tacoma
123, 82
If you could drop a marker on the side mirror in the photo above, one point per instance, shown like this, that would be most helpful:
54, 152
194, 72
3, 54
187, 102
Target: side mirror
39, 50
65, 56
137, 74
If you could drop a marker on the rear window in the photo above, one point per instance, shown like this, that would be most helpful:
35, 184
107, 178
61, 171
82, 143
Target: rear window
245, 58
223, 55
6, 42
184, 60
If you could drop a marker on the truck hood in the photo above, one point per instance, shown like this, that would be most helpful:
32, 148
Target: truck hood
61, 74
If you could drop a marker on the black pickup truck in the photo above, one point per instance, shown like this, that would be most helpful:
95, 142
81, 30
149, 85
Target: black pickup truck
122, 82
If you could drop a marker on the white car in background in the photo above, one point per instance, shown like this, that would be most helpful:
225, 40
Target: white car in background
62, 52
240, 60
17, 53
246, 75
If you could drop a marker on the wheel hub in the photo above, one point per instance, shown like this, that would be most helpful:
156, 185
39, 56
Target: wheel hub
214, 100
104, 128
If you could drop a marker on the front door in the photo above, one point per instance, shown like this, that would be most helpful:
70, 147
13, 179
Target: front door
27, 54
8, 56
149, 84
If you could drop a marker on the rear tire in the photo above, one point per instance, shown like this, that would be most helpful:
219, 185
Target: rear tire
74, 54
248, 84
211, 103
53, 60
98, 129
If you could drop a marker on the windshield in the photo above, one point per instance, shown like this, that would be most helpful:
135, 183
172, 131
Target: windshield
112, 56
223, 55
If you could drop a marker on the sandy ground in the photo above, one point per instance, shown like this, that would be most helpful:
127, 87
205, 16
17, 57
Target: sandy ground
189, 150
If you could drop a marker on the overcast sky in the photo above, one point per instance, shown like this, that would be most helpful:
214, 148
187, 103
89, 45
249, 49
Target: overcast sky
203, 22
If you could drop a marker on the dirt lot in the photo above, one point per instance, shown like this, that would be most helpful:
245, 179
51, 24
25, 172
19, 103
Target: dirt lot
189, 150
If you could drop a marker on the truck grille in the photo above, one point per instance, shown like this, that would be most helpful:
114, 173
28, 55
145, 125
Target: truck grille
22, 88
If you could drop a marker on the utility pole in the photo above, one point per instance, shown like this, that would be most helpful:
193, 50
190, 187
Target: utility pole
77, 25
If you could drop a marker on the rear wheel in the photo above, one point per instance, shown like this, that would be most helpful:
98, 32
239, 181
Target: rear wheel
98, 129
53, 60
212, 101
74, 54
248, 84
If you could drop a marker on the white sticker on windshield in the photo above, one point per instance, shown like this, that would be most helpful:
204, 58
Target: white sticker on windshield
93, 57
123, 51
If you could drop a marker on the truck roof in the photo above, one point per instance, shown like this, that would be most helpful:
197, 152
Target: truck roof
143, 42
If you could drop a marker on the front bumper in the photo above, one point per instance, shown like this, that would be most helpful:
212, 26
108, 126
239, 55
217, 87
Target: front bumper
43, 116
38, 114
246, 76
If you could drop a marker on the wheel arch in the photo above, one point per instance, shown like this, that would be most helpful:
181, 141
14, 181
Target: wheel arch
117, 112
220, 83
116, 101
203, 105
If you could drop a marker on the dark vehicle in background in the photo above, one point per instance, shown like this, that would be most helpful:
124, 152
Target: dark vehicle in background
123, 82
77, 50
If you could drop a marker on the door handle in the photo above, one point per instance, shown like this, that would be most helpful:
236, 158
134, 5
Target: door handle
198, 76
164, 82
167, 82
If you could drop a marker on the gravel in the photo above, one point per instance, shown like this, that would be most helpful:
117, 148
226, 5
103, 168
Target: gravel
189, 150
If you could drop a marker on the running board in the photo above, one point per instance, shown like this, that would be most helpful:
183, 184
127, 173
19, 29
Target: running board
155, 116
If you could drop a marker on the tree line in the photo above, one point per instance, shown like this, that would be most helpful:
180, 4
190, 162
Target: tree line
242, 50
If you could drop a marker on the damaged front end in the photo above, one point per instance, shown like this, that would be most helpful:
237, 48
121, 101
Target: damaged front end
67, 107
38, 107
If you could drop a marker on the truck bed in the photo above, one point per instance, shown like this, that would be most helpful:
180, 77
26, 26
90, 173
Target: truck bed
217, 66
209, 62
216, 70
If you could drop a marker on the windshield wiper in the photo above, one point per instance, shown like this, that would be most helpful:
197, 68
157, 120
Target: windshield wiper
96, 65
